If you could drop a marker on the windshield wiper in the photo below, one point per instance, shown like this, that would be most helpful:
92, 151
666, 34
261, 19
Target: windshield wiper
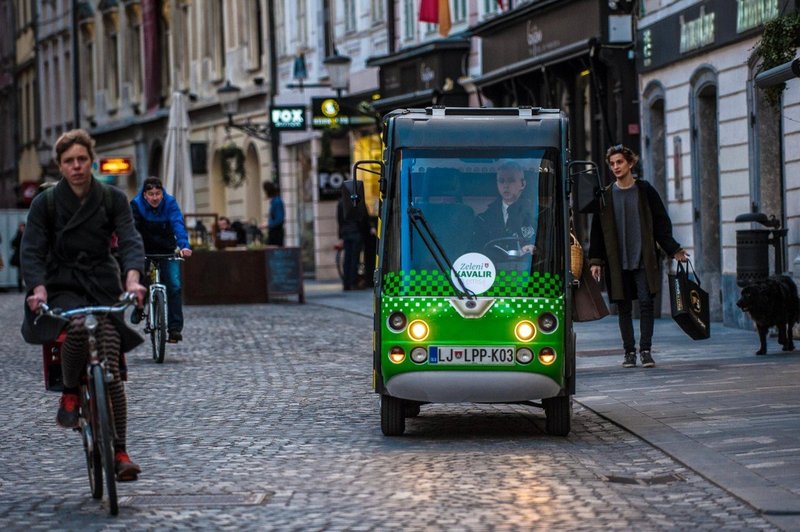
436, 250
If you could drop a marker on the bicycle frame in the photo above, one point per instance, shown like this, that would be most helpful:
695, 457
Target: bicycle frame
96, 420
156, 287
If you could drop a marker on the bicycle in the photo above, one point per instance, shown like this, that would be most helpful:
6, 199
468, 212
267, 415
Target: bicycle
155, 311
96, 418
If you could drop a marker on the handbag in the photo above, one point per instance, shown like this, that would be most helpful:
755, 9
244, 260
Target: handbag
587, 300
575, 256
689, 303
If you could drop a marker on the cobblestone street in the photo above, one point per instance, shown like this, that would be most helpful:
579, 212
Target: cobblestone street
264, 418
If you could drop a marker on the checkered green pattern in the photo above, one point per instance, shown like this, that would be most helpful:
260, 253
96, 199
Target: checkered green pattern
507, 284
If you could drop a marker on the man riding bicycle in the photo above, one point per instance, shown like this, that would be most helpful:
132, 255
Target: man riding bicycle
159, 220
66, 260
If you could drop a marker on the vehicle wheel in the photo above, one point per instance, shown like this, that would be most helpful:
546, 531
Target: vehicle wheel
104, 436
559, 415
393, 420
94, 465
158, 333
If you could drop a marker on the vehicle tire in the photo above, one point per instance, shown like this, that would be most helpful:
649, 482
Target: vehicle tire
393, 419
104, 436
411, 409
158, 331
558, 411
94, 465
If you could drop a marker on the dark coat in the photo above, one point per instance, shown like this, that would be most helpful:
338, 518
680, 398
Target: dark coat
604, 248
71, 256
521, 223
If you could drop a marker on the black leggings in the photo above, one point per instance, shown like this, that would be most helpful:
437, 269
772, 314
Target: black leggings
73, 363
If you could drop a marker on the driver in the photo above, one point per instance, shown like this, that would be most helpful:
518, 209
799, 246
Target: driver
508, 217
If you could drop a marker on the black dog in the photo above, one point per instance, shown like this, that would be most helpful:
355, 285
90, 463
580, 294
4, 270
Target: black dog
772, 302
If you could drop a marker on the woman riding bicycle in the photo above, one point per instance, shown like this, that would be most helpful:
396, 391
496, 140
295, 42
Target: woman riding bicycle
159, 220
67, 262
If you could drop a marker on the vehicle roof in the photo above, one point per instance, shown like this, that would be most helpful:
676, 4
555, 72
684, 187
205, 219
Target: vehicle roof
459, 127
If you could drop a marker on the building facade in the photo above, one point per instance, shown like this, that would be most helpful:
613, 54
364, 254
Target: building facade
8, 111
712, 144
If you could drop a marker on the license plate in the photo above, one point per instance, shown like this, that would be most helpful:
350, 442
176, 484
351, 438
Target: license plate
495, 356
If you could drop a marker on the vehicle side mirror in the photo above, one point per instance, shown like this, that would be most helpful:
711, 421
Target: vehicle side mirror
587, 187
353, 199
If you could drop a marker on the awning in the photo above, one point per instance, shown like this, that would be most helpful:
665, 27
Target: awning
546, 59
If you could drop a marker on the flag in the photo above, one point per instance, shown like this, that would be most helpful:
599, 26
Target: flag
436, 12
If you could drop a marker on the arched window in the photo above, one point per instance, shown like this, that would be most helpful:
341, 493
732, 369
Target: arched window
654, 160
704, 116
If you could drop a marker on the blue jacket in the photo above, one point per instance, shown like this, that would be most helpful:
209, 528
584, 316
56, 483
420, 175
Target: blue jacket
162, 228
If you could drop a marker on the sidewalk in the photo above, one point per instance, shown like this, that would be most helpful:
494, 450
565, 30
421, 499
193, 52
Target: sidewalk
713, 405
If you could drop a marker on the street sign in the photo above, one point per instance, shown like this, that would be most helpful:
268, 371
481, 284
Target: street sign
288, 117
115, 165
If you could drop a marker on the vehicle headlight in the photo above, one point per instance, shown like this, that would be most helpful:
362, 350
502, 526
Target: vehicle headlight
524, 355
419, 355
397, 321
547, 356
418, 330
547, 322
525, 331
397, 355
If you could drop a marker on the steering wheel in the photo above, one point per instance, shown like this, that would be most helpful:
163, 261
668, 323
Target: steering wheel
516, 253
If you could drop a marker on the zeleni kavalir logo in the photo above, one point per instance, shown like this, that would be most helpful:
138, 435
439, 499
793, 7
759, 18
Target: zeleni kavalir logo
476, 271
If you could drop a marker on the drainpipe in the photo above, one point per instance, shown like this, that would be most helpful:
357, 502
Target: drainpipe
275, 141
76, 84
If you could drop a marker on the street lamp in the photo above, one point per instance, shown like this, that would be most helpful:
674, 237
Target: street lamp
229, 100
44, 153
338, 67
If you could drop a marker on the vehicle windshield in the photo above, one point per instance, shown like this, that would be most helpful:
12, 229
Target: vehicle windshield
495, 214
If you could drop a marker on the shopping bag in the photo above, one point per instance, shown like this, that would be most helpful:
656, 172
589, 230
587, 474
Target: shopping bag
587, 299
689, 302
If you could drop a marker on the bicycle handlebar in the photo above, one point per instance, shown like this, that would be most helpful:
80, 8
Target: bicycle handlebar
127, 299
171, 256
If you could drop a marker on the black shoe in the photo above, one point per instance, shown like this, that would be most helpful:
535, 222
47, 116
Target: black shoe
647, 359
175, 337
630, 360
67, 416
137, 316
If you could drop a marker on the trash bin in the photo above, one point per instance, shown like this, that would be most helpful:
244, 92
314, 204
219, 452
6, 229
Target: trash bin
752, 256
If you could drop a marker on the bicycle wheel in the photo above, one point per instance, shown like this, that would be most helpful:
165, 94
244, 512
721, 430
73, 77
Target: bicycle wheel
104, 435
94, 465
158, 327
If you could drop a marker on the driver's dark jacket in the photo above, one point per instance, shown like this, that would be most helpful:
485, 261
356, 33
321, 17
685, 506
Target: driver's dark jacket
489, 224
71, 256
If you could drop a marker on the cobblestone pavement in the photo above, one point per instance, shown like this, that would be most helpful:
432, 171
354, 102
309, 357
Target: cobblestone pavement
264, 418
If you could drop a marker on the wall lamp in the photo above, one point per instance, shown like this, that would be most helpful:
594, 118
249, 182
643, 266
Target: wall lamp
338, 67
229, 100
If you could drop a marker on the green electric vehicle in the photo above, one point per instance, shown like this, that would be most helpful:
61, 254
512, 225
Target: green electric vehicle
472, 299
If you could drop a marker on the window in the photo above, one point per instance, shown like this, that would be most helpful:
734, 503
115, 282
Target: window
490, 7
349, 16
255, 37
409, 20
378, 12
280, 29
459, 11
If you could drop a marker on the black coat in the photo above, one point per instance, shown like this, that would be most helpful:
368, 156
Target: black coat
604, 248
521, 224
70, 254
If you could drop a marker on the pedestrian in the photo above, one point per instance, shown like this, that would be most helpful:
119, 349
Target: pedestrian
66, 262
351, 239
623, 241
159, 220
16, 242
277, 215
